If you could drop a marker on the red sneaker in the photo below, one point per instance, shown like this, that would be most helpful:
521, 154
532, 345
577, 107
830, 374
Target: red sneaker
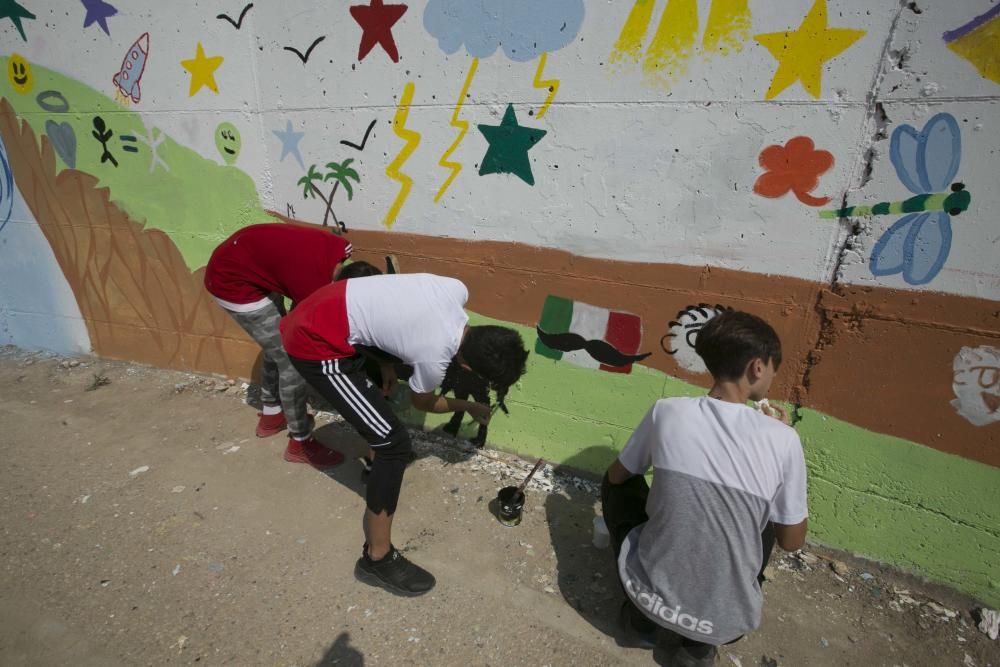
268, 425
311, 451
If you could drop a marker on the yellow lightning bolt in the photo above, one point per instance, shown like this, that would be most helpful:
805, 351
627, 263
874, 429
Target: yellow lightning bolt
412, 139
551, 84
463, 127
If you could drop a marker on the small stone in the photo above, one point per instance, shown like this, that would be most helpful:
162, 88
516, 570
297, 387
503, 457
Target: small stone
216, 567
807, 558
74, 363
177, 489
549, 589
941, 611
989, 623
177, 569
139, 471
866, 576
770, 572
231, 383
840, 568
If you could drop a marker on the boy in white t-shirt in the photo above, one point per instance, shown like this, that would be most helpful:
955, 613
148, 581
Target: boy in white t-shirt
728, 480
420, 320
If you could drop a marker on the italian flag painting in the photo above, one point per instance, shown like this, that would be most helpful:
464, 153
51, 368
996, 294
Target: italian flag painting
584, 332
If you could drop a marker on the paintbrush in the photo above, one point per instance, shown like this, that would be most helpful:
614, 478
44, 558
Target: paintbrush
520, 489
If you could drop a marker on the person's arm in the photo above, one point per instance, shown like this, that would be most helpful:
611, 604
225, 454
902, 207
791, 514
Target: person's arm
636, 457
619, 474
791, 538
432, 402
789, 513
389, 377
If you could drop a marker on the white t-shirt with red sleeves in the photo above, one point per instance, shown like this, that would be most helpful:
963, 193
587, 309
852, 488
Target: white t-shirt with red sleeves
417, 317
721, 472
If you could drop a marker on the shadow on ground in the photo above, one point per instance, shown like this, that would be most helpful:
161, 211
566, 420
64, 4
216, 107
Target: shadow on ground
587, 577
342, 654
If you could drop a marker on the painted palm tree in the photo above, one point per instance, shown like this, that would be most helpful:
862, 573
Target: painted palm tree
339, 172
309, 189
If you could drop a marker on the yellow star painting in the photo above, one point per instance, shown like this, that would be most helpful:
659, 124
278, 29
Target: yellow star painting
801, 54
202, 71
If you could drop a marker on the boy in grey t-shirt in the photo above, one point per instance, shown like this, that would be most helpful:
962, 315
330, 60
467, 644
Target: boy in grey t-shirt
728, 480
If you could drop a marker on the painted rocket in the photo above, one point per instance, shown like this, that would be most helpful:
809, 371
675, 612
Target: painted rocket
134, 64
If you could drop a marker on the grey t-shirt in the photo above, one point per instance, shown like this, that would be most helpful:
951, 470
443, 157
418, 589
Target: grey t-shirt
721, 471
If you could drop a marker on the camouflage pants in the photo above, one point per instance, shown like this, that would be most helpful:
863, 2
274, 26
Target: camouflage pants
279, 379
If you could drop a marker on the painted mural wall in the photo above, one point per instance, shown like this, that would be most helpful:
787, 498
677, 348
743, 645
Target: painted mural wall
605, 176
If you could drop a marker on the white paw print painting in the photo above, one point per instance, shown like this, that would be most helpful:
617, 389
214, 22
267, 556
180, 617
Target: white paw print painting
976, 383
679, 341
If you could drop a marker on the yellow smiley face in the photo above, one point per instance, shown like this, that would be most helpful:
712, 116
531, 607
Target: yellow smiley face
19, 73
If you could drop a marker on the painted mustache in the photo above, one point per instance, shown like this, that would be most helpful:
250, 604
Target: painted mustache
600, 350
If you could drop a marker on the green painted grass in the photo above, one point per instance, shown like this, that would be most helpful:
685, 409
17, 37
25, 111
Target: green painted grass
198, 202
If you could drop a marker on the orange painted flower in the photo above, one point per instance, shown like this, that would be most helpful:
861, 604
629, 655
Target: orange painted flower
794, 167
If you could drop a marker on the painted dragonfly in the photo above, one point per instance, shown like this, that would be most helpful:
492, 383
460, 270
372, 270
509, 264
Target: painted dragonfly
918, 244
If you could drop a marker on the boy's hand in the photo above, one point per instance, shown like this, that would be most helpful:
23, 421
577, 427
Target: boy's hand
480, 413
780, 414
389, 379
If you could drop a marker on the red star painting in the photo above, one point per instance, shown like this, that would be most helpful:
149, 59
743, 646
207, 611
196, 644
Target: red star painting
376, 20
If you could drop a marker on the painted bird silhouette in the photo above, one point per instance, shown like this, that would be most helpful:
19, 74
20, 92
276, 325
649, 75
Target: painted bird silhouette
363, 141
305, 58
236, 24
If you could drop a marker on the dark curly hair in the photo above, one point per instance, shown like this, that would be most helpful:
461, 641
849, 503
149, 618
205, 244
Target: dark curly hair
495, 353
358, 270
731, 339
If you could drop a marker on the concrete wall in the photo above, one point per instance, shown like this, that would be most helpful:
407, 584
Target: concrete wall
641, 162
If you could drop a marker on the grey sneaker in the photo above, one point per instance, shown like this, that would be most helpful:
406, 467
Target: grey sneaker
394, 573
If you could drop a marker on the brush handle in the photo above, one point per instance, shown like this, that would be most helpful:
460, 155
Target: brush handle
530, 475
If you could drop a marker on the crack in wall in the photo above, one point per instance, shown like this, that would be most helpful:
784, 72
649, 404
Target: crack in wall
875, 130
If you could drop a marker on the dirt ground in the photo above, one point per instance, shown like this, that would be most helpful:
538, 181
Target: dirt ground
144, 524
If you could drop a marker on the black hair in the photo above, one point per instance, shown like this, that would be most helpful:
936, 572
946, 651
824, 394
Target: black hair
495, 353
732, 339
358, 270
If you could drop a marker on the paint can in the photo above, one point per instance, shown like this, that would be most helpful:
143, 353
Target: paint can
510, 505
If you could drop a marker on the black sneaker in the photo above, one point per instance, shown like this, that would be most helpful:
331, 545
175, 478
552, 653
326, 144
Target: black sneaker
635, 630
699, 655
394, 573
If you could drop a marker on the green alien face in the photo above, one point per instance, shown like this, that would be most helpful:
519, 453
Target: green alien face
227, 140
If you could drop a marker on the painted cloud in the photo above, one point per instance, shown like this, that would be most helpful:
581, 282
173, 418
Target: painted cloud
523, 28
